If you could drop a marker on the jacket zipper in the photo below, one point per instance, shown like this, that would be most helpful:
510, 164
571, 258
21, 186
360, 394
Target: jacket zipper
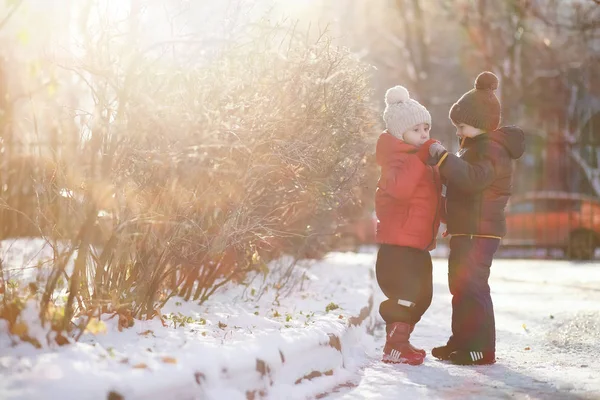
437, 208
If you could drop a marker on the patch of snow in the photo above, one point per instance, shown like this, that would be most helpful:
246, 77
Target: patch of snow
547, 327
214, 352
27, 260
547, 320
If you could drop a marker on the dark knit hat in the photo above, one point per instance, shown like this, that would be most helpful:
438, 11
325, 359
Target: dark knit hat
479, 107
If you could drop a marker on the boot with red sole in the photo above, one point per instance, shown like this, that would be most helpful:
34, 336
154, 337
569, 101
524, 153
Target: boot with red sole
397, 349
412, 328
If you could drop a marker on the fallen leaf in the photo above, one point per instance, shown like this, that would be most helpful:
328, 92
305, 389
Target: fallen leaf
200, 377
527, 348
115, 396
169, 360
19, 329
95, 327
140, 365
148, 332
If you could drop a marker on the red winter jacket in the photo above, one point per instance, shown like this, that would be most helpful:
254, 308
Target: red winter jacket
408, 197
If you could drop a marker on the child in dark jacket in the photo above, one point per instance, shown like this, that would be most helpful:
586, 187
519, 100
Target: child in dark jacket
407, 204
479, 185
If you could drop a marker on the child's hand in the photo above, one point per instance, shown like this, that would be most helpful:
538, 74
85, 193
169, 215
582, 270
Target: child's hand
436, 150
424, 151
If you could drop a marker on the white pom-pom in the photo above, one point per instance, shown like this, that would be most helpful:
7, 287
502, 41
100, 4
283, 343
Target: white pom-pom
397, 94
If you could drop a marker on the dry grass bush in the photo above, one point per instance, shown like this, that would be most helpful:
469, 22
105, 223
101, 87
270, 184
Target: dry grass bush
234, 162
208, 171
34, 200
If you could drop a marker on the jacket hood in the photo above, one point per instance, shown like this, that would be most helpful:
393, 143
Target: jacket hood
389, 148
511, 138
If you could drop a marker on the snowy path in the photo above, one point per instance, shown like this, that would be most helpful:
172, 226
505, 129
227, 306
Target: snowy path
548, 328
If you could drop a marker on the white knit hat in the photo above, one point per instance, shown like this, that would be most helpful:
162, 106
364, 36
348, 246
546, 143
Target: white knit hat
402, 113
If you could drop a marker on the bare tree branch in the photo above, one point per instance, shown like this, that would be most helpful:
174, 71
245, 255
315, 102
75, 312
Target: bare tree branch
10, 13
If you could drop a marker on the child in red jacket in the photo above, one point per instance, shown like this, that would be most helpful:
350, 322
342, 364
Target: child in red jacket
407, 203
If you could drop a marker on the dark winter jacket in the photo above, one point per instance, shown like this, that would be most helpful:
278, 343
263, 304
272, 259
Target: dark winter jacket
479, 182
408, 198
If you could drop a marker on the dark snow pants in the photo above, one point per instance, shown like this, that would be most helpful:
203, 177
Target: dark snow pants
404, 275
469, 263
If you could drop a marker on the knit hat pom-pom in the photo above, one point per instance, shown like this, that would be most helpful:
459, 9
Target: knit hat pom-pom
397, 94
486, 81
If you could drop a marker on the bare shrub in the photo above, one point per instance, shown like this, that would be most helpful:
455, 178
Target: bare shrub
194, 172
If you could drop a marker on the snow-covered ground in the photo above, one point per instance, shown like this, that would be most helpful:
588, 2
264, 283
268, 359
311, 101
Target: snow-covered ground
225, 348
548, 328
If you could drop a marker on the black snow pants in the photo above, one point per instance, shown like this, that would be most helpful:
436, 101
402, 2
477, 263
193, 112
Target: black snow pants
404, 275
469, 263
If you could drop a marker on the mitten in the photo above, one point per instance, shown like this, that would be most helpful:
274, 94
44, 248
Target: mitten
437, 151
424, 151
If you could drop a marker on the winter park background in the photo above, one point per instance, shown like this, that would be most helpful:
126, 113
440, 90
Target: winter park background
187, 187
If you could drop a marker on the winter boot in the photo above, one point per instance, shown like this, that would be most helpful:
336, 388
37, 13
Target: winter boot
465, 357
423, 352
397, 349
443, 352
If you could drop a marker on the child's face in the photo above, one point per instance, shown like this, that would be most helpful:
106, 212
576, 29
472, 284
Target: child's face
417, 135
464, 130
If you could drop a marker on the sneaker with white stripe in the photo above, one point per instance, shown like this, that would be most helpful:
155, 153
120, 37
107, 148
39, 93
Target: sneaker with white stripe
464, 357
